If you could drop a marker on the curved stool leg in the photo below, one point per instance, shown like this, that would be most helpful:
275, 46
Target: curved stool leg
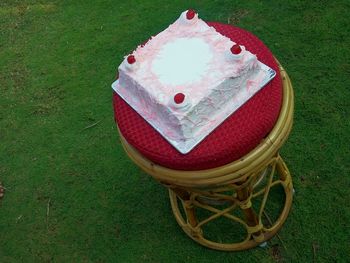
243, 196
189, 209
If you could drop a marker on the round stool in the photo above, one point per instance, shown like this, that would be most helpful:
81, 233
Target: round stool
234, 184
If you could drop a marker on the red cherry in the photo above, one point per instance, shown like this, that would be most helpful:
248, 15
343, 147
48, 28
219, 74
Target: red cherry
179, 98
236, 49
190, 14
131, 59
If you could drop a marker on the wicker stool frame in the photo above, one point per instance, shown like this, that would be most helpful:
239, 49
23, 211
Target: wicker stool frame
205, 189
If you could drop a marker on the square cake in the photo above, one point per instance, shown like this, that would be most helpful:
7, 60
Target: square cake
188, 79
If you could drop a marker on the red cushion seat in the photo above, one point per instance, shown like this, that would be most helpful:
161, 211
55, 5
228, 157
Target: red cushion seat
235, 137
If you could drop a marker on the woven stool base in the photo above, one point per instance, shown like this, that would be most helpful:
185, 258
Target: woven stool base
223, 202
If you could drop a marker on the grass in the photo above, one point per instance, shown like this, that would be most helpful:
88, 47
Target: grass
72, 195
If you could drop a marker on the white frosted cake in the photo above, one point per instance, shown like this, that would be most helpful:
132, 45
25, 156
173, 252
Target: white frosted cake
188, 79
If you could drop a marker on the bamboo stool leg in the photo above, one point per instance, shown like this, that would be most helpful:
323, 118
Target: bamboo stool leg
253, 222
189, 209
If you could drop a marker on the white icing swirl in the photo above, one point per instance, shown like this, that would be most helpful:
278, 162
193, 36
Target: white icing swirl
131, 67
234, 57
183, 106
183, 18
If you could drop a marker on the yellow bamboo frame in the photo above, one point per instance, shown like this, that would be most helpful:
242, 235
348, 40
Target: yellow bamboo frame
201, 189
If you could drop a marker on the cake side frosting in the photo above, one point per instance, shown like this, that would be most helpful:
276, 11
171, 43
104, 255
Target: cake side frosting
207, 113
149, 107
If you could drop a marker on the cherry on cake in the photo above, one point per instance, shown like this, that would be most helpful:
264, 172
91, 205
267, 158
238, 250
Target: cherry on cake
188, 79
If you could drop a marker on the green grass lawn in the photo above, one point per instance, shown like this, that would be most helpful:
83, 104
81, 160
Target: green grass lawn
57, 61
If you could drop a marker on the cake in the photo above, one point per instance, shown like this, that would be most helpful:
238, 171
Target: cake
188, 79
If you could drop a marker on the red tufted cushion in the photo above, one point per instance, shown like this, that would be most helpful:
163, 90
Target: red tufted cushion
235, 137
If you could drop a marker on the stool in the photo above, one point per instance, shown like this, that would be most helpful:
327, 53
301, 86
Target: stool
238, 190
